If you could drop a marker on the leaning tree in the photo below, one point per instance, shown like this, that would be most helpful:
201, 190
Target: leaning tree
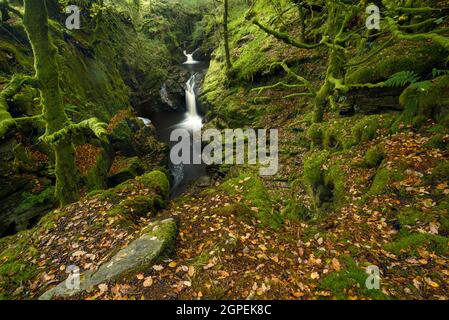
60, 132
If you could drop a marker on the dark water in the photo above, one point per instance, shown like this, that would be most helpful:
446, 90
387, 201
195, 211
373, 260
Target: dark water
165, 122
184, 174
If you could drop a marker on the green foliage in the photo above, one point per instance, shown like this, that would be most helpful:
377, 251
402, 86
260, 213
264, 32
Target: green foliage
32, 200
409, 243
404, 56
401, 79
437, 72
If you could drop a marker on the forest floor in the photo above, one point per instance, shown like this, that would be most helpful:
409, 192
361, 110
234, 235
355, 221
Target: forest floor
225, 252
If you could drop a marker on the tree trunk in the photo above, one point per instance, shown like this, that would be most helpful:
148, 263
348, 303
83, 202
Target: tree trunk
47, 74
226, 36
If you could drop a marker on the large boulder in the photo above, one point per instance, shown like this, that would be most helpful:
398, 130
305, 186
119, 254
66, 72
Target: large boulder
158, 238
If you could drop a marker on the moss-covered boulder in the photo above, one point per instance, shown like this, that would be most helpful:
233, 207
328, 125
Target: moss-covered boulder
424, 100
123, 169
158, 238
416, 56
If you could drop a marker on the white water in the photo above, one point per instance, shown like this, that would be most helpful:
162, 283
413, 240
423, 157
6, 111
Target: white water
192, 120
190, 59
146, 121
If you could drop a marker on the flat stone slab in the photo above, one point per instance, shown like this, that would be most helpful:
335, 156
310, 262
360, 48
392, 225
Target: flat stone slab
137, 256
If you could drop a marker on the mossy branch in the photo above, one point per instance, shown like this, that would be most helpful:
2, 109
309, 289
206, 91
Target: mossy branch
303, 83
98, 128
277, 85
285, 37
372, 53
443, 41
4, 4
14, 86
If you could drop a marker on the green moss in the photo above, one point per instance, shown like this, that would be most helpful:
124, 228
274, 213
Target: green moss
373, 157
351, 277
296, 211
165, 229
32, 200
254, 195
136, 207
344, 133
324, 179
335, 180
381, 182
125, 169
366, 128
405, 55
14, 269
409, 243
156, 180
96, 178
424, 100
410, 216
314, 177
440, 173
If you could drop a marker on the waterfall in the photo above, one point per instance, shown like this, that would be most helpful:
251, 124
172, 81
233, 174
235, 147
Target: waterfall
189, 57
192, 120
146, 122
191, 97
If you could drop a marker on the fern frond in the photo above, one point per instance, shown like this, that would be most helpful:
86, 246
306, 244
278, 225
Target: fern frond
437, 73
401, 79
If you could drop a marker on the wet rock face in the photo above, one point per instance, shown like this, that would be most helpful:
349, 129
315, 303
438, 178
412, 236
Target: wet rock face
158, 238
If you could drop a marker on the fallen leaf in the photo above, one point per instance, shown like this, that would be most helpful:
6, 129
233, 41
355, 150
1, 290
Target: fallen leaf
148, 282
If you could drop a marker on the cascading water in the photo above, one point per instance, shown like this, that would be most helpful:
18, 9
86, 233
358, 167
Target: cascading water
192, 120
165, 122
189, 57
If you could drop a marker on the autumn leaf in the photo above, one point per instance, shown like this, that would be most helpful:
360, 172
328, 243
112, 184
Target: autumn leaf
148, 282
336, 264
191, 271
158, 267
103, 288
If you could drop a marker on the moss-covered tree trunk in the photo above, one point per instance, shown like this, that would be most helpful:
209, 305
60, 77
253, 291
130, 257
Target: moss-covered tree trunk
226, 35
47, 75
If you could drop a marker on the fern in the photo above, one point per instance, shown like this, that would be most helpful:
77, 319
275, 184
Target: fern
401, 79
438, 73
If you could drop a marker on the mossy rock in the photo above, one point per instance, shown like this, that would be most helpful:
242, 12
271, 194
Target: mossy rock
155, 180
325, 181
416, 56
255, 198
373, 157
124, 169
140, 206
158, 238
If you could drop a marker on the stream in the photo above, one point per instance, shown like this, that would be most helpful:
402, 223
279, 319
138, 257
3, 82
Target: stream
182, 175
